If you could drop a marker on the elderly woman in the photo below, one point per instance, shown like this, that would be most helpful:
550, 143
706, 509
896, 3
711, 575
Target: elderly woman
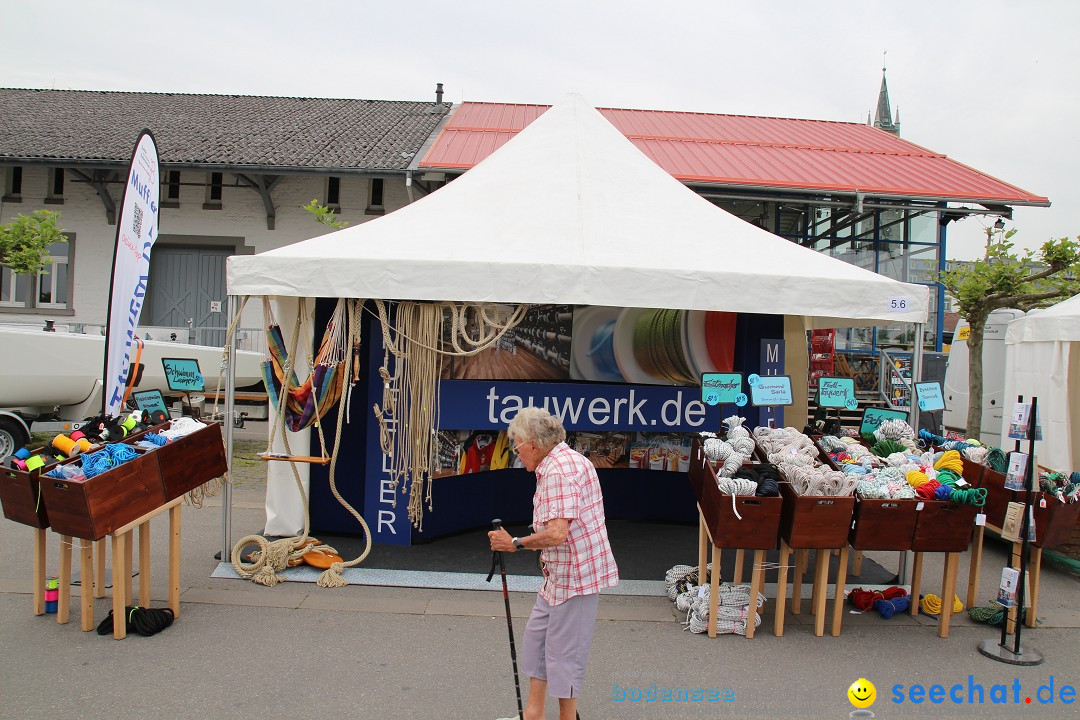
570, 532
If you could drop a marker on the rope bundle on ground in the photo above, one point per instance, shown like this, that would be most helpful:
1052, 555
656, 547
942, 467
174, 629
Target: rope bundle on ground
931, 604
887, 602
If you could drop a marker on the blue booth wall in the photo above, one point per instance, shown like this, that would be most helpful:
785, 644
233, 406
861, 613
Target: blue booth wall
468, 502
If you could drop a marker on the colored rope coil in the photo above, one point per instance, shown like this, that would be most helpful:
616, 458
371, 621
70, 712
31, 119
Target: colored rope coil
931, 604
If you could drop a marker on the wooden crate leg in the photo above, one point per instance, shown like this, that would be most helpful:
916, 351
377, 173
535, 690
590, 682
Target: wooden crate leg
756, 577
975, 566
63, 605
703, 546
838, 600
86, 590
714, 591
144, 564
856, 563
119, 601
99, 568
740, 561
916, 582
39, 571
796, 581
1034, 570
948, 592
821, 583
1010, 623
781, 589
821, 558
129, 548
174, 559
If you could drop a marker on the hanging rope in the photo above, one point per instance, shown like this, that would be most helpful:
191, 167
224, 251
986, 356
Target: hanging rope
410, 402
272, 557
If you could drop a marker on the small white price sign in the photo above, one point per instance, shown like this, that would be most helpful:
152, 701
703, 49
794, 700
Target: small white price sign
899, 304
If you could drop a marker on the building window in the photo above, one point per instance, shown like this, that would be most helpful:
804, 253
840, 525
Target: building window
50, 290
375, 197
13, 185
213, 192
172, 189
56, 187
333, 193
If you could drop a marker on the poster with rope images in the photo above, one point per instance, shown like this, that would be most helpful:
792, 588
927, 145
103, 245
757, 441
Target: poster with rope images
647, 346
538, 348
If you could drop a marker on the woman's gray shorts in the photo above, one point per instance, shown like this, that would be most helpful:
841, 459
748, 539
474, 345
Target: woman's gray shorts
557, 642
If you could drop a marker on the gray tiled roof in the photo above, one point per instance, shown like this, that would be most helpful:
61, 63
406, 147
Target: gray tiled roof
92, 127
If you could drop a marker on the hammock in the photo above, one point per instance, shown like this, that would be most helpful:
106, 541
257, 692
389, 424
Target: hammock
306, 402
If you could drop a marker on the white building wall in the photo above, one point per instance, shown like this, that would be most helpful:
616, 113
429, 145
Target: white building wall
242, 216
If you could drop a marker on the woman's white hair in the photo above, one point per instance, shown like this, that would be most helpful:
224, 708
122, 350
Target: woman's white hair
538, 425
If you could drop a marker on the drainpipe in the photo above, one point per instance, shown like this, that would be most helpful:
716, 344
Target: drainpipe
408, 181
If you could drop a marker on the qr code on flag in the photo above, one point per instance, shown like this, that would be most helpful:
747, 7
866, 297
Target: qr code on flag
136, 220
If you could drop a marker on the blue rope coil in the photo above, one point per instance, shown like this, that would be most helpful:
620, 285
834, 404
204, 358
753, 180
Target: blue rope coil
888, 608
155, 438
106, 459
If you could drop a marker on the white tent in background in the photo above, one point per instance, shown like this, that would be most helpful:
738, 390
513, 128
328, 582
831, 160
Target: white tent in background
1042, 359
570, 212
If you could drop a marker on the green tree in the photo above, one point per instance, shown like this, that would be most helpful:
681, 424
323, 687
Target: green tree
325, 215
1003, 279
25, 241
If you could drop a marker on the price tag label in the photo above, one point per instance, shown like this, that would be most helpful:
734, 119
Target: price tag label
899, 304
741, 399
980, 519
720, 388
920, 506
835, 392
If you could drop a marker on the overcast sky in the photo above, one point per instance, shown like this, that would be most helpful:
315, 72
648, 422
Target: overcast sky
992, 84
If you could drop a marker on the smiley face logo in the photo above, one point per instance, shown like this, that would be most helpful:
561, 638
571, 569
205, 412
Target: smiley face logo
862, 693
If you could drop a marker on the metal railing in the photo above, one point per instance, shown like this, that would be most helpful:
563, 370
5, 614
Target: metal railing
894, 380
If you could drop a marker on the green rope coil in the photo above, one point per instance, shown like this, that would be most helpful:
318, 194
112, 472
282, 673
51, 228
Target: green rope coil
992, 614
996, 460
886, 448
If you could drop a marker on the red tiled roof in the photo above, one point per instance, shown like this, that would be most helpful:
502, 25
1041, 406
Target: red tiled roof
739, 150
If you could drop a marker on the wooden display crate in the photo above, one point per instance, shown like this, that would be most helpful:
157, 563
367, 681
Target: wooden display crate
759, 527
193, 460
91, 508
810, 521
883, 524
973, 472
944, 526
998, 496
1054, 523
19, 496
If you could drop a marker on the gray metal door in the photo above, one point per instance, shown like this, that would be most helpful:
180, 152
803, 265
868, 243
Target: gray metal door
187, 288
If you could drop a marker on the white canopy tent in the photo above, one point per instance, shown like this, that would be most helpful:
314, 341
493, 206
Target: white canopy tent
1042, 359
570, 212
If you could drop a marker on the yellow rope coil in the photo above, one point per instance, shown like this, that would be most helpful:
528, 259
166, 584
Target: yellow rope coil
916, 478
950, 460
931, 604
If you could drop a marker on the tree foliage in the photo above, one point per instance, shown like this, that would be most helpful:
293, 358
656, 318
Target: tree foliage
25, 241
1004, 279
325, 215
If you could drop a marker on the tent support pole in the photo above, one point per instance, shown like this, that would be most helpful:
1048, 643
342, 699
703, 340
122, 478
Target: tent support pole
230, 409
916, 376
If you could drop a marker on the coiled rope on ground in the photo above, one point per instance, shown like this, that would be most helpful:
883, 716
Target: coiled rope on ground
931, 604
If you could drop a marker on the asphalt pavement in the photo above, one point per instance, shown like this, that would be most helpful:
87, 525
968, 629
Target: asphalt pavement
240, 650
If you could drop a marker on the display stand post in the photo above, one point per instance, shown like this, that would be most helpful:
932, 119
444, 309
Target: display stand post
999, 651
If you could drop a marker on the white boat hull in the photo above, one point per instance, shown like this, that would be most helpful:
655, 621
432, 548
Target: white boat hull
41, 371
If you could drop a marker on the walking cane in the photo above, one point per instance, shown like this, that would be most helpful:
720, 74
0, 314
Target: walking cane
497, 557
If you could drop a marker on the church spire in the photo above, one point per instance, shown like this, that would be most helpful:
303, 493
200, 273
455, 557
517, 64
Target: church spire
883, 115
